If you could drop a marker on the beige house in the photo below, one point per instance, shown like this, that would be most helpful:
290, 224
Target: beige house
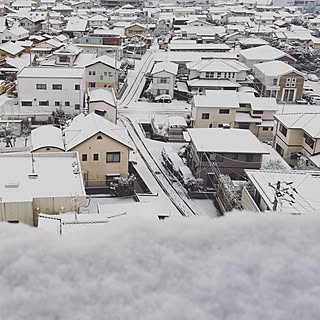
297, 135
103, 102
279, 80
135, 29
103, 147
214, 109
102, 72
241, 110
34, 183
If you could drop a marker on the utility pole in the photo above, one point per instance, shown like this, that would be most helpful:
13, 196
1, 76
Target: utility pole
283, 192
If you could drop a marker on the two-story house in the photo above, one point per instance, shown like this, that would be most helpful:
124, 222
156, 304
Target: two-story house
216, 74
214, 109
296, 135
45, 89
279, 80
103, 147
102, 72
261, 54
230, 151
135, 29
164, 78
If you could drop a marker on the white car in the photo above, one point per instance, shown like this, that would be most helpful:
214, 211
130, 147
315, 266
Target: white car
312, 77
315, 100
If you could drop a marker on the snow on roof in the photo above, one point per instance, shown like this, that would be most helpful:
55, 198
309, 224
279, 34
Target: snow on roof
225, 140
103, 94
51, 72
315, 159
307, 184
84, 127
275, 68
199, 46
46, 136
262, 52
309, 122
246, 118
252, 41
217, 65
265, 104
217, 99
55, 176
76, 24
213, 83
107, 60
165, 66
11, 48
177, 121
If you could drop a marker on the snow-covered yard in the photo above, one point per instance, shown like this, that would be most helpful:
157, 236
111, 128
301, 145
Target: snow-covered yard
243, 267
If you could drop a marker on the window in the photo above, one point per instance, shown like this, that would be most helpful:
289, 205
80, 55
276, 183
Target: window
205, 116
234, 156
288, 79
77, 106
293, 80
90, 73
67, 103
57, 87
249, 157
92, 84
57, 103
220, 125
219, 75
43, 103
64, 59
308, 140
265, 128
224, 111
77, 87
93, 73
274, 82
244, 125
164, 80
95, 157
99, 137
113, 157
257, 112
41, 86
84, 157
101, 78
26, 103
283, 130
110, 74
279, 150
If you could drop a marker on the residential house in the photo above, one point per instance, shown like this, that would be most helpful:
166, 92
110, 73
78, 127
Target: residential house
76, 27
279, 80
14, 34
102, 72
135, 29
297, 135
34, 187
98, 21
11, 49
32, 23
299, 191
164, 78
260, 54
227, 151
211, 74
199, 47
110, 4
45, 89
103, 102
214, 109
103, 147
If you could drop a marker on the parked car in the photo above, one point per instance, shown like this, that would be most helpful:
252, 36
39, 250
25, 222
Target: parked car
163, 98
315, 100
313, 77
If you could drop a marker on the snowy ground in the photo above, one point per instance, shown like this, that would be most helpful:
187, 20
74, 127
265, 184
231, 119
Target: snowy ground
243, 267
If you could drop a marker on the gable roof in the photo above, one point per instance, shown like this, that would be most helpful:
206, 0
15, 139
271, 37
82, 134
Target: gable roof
217, 99
11, 48
165, 66
308, 122
103, 94
84, 127
106, 60
275, 68
46, 136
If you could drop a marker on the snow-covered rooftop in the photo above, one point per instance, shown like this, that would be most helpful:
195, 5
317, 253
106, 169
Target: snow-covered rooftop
225, 140
47, 72
55, 176
46, 136
309, 122
217, 99
103, 94
266, 52
307, 184
165, 66
275, 68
